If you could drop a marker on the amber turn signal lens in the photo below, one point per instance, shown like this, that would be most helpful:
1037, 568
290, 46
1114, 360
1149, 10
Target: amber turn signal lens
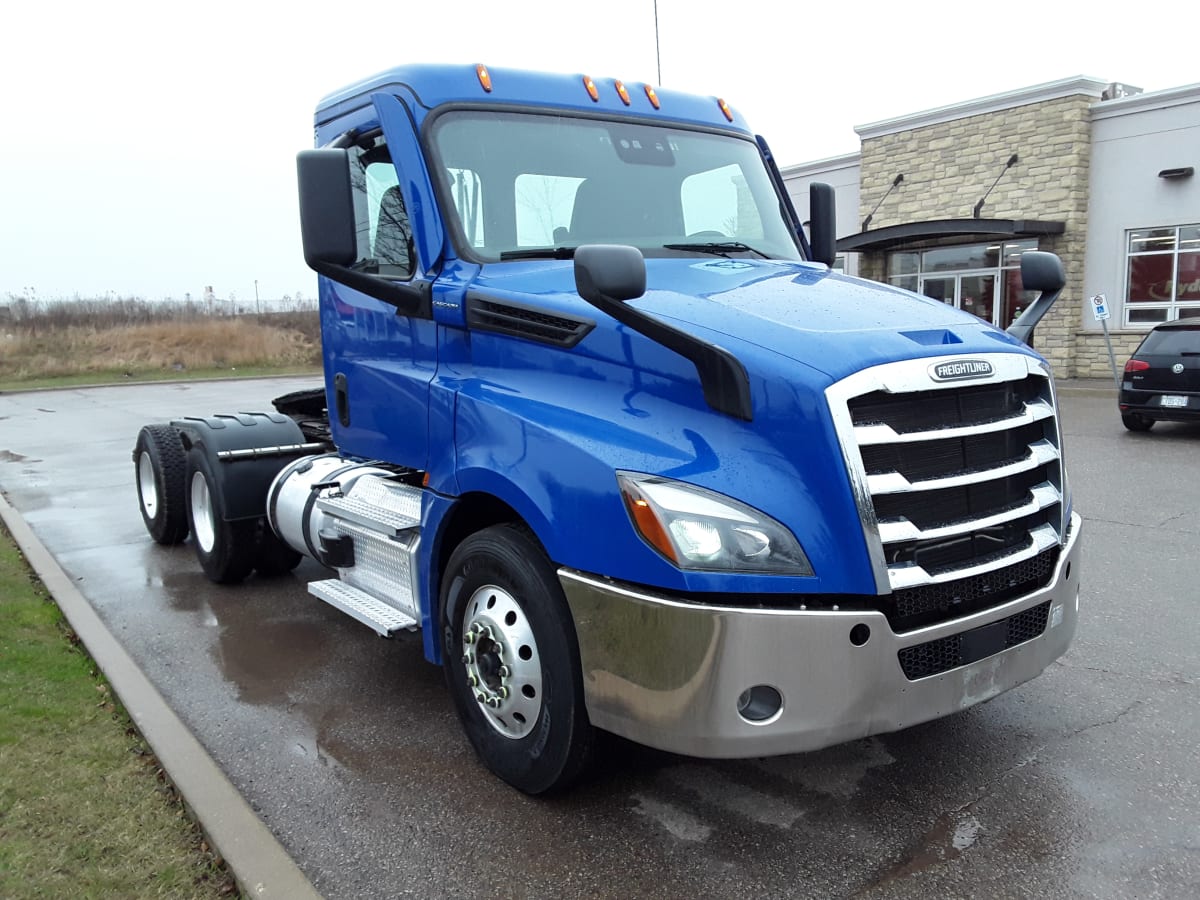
648, 523
485, 78
591, 89
652, 97
725, 109
622, 93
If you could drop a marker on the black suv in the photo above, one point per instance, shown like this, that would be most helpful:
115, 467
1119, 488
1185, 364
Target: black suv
1162, 380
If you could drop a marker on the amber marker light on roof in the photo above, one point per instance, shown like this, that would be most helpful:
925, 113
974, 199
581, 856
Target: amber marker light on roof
725, 109
485, 78
622, 93
591, 89
652, 97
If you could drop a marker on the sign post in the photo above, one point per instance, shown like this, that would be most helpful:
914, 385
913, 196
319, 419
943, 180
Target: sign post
1100, 311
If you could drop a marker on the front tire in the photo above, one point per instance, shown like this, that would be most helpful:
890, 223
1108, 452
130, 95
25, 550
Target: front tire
226, 550
512, 661
160, 470
1136, 422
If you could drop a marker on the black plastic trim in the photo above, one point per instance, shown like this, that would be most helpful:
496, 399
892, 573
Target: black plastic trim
521, 320
894, 236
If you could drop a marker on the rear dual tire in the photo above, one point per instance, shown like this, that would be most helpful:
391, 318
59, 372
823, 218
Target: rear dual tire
160, 473
229, 551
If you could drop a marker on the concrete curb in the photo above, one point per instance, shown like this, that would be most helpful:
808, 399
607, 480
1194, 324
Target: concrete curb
257, 860
1086, 387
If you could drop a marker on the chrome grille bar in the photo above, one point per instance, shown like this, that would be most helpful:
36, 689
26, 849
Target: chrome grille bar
1039, 454
1015, 502
893, 530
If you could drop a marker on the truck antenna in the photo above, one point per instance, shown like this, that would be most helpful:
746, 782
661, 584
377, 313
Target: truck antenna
657, 54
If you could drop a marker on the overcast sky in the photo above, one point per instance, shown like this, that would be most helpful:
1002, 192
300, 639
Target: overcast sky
147, 148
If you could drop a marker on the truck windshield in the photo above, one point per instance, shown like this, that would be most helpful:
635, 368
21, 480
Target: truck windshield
527, 185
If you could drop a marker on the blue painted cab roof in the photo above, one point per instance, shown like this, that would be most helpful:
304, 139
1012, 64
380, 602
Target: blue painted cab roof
435, 85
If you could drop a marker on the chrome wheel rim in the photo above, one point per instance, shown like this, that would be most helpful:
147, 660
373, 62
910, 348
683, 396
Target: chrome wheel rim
147, 489
203, 522
501, 662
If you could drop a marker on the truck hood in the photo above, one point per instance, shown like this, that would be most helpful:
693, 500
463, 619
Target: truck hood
826, 321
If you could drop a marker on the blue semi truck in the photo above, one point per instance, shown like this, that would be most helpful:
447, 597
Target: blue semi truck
603, 426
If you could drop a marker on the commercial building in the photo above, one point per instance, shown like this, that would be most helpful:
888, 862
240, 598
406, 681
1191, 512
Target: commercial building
943, 202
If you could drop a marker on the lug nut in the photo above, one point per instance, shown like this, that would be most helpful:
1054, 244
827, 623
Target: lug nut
503, 672
493, 702
469, 637
472, 680
503, 692
480, 697
468, 658
498, 648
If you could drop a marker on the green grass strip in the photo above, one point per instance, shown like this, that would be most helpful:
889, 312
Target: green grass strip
85, 810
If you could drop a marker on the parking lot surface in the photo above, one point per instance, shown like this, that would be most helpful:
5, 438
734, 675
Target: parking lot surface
1081, 783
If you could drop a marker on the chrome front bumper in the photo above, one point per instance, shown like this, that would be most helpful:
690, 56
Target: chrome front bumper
668, 674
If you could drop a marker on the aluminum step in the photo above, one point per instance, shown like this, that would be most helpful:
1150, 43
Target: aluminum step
368, 515
381, 617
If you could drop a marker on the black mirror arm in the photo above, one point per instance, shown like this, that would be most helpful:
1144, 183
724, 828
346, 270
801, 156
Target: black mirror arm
1022, 328
722, 376
410, 299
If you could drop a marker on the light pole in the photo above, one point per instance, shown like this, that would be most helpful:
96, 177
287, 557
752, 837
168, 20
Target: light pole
257, 305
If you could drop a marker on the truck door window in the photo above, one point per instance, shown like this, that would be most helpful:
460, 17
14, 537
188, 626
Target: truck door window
384, 236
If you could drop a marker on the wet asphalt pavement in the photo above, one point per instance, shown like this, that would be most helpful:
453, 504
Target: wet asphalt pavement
1081, 783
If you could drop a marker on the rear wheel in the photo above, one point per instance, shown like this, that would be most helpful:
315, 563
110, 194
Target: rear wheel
274, 557
1136, 422
512, 661
226, 550
160, 465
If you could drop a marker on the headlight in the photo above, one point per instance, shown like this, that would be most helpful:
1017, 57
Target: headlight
699, 529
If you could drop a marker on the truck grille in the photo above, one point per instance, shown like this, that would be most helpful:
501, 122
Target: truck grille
960, 487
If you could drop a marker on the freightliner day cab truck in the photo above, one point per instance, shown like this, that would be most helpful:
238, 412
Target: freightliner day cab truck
600, 422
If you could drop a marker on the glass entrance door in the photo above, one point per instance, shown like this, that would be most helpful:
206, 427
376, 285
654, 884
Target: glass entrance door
971, 292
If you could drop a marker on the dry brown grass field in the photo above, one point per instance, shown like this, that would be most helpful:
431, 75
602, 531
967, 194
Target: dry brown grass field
123, 339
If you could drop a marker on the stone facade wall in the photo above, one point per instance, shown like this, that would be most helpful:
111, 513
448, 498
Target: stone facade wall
1091, 353
948, 167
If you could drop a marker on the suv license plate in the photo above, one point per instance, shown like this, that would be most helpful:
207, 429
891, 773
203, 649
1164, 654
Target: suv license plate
1168, 400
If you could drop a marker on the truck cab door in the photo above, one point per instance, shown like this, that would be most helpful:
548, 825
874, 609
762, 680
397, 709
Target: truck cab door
379, 361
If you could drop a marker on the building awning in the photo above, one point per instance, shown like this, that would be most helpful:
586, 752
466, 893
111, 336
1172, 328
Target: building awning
895, 236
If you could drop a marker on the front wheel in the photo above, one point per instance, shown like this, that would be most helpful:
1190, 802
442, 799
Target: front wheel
512, 661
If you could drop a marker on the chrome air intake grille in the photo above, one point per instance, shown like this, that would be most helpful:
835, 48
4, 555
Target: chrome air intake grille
959, 484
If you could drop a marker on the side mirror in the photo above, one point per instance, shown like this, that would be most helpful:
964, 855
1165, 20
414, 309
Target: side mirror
329, 232
606, 275
326, 207
822, 228
614, 271
1043, 272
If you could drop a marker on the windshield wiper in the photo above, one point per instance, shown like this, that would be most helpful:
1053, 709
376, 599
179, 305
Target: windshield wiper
539, 253
720, 248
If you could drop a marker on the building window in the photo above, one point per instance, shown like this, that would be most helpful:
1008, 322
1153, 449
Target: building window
1163, 275
984, 279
